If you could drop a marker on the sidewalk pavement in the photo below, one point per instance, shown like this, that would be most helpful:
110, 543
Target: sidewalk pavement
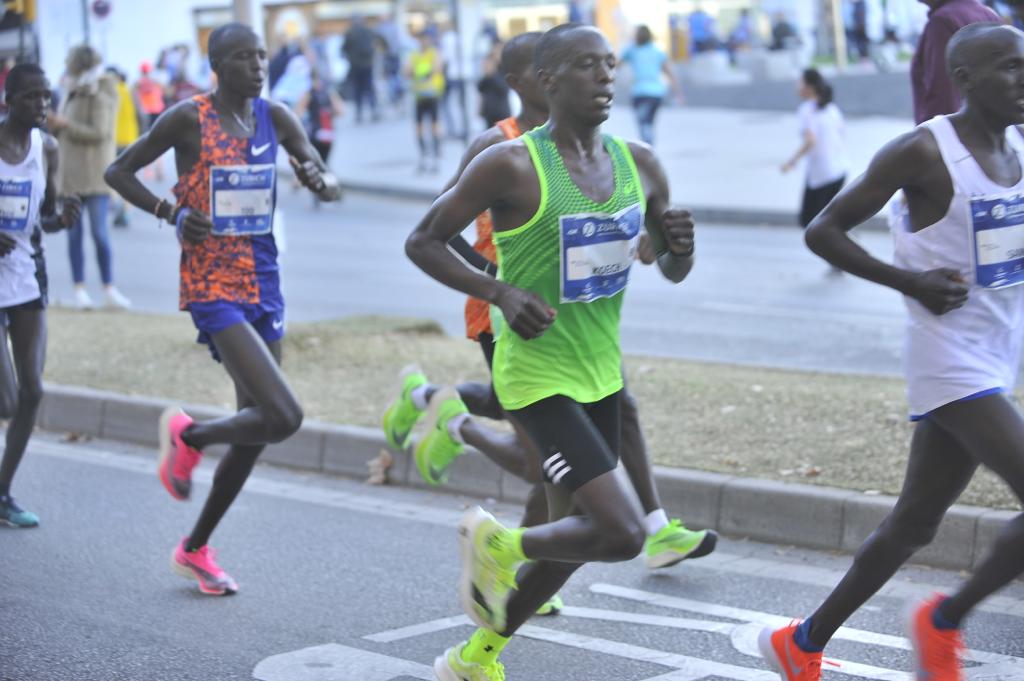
722, 164
804, 515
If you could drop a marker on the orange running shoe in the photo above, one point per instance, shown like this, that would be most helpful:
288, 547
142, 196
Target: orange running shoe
937, 650
780, 650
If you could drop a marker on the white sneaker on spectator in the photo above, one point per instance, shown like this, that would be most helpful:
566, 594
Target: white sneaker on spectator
82, 299
116, 299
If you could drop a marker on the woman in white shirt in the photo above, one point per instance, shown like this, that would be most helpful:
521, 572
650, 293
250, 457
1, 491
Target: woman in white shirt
824, 145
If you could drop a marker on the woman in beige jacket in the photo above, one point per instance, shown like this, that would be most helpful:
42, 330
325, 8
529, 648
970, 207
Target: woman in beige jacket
85, 129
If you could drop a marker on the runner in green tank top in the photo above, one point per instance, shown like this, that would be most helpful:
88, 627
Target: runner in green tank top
568, 204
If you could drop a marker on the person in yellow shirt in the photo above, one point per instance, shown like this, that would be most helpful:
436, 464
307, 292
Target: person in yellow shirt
425, 71
126, 130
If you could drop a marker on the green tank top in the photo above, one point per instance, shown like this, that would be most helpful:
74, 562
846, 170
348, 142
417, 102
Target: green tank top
574, 253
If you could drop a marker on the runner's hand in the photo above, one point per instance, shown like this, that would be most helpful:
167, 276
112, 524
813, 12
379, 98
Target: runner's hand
677, 226
70, 211
196, 227
525, 312
941, 290
308, 173
7, 244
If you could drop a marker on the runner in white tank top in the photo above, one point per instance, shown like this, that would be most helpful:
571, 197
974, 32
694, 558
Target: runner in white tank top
28, 168
960, 265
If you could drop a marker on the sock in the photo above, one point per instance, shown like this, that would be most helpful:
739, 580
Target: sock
941, 621
802, 638
483, 647
507, 547
454, 426
655, 521
419, 396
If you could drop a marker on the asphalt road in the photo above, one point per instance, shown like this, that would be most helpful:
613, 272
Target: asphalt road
344, 582
756, 295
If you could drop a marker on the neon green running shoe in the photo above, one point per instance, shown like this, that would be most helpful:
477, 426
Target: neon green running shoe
674, 543
436, 451
552, 606
402, 414
451, 667
486, 582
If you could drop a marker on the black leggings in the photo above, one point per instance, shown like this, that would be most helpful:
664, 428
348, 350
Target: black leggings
947, 447
21, 382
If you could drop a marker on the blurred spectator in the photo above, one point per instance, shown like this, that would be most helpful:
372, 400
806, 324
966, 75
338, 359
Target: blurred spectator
392, 46
425, 71
934, 93
127, 125
85, 130
454, 83
703, 33
652, 75
784, 33
578, 13
8, 64
359, 49
279, 62
857, 28
296, 81
822, 142
493, 90
317, 108
150, 97
742, 36
182, 88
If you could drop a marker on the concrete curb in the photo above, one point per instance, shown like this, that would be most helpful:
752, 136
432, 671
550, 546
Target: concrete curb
702, 214
767, 510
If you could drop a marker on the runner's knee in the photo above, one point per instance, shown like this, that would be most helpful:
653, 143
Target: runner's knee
283, 421
911, 530
30, 393
622, 542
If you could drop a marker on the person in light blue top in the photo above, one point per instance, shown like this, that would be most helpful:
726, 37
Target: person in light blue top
652, 77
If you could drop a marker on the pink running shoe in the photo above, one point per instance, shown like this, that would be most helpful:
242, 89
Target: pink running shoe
177, 459
201, 566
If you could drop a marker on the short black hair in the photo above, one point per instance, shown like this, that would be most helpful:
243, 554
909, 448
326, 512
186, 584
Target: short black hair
517, 54
553, 47
19, 75
216, 46
963, 46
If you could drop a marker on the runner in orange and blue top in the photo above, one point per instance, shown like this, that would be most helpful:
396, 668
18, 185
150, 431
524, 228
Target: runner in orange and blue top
225, 145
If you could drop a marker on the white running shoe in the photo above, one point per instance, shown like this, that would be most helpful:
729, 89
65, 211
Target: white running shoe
116, 299
82, 299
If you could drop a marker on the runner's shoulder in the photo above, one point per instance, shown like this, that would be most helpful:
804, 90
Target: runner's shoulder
50, 143
917, 147
180, 115
508, 160
642, 152
485, 140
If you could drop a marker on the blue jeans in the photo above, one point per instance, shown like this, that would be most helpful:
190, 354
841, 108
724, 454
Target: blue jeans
646, 109
96, 206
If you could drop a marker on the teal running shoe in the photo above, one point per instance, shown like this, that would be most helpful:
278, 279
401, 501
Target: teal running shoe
401, 415
451, 667
674, 543
436, 451
15, 516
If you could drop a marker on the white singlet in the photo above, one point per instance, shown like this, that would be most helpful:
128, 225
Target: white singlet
974, 350
22, 187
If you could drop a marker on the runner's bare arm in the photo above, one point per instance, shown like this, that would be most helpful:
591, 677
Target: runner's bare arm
168, 132
903, 164
491, 179
71, 206
458, 242
309, 168
670, 229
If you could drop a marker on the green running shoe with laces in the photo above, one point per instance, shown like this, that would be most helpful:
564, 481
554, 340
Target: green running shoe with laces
674, 543
402, 414
551, 607
436, 451
488, 576
14, 515
451, 667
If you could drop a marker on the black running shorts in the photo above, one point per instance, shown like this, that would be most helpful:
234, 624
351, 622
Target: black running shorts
577, 442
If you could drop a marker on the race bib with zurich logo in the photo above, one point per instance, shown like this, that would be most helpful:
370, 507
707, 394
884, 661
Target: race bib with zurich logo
597, 252
998, 235
242, 199
15, 199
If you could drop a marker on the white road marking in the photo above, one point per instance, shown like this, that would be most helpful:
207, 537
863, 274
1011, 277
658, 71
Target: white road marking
430, 627
334, 662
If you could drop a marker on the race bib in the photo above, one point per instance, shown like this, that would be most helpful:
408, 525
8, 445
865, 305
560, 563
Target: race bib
242, 199
597, 252
15, 198
998, 231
